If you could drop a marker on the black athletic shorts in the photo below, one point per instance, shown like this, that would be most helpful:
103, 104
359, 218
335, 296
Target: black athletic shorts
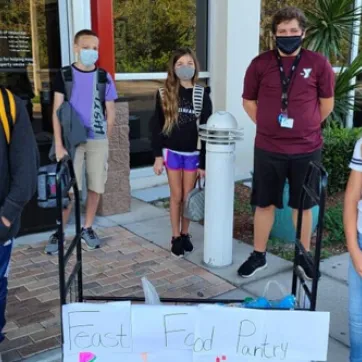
271, 170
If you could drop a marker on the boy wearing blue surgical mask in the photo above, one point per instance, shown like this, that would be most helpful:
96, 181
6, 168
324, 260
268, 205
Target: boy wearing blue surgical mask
91, 92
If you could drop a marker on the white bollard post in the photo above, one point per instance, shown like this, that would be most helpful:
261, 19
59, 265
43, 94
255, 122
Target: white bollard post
220, 134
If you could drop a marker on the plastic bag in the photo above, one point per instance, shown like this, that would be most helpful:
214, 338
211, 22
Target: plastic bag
277, 284
151, 295
287, 301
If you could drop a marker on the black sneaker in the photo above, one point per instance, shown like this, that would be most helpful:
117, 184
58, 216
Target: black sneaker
305, 269
255, 262
188, 247
177, 247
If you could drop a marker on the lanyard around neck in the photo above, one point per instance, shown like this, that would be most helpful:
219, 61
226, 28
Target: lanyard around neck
286, 81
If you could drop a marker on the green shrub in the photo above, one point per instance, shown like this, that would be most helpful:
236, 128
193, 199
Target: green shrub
337, 153
333, 224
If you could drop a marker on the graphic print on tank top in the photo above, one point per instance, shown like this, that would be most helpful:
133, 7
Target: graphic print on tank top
186, 113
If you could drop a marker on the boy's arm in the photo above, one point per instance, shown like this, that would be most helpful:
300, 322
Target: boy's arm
58, 100
110, 97
326, 84
111, 116
250, 92
59, 92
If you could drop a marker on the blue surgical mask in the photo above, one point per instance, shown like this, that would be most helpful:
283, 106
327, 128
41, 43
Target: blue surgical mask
88, 57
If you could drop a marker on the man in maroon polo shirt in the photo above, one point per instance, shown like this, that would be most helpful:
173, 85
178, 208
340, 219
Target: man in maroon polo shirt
288, 93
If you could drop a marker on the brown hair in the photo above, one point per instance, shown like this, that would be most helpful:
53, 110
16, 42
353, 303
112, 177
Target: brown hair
172, 85
287, 14
84, 32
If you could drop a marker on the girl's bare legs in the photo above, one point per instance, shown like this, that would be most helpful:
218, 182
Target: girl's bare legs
188, 183
176, 196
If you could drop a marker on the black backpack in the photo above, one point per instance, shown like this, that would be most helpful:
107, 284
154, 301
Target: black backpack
67, 74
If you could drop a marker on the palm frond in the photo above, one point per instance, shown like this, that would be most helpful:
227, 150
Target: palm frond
330, 26
344, 103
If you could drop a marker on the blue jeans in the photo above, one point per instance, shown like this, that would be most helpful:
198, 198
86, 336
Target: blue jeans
355, 311
5, 255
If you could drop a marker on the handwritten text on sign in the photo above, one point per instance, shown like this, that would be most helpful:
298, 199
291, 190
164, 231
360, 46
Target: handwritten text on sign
256, 334
97, 327
112, 330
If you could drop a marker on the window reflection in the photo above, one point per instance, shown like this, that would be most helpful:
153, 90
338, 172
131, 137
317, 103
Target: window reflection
147, 31
140, 96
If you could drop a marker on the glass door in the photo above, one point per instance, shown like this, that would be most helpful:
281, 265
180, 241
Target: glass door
32, 50
31, 53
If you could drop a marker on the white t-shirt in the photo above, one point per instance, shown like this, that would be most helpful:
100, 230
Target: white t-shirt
356, 165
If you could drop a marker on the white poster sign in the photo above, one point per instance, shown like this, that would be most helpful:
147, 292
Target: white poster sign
143, 333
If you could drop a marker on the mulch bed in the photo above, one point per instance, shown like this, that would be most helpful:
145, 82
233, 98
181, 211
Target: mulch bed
243, 218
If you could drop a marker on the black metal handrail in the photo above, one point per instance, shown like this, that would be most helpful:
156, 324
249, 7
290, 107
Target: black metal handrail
315, 179
65, 166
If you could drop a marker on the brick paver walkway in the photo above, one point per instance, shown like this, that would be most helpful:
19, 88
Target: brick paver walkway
115, 269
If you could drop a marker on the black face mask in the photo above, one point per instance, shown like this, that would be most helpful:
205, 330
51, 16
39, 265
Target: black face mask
288, 44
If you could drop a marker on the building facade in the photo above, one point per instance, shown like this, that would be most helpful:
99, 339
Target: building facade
136, 38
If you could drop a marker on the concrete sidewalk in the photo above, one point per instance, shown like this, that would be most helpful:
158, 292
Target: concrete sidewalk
152, 223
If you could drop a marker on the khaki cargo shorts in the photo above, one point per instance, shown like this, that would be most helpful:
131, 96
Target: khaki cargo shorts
95, 155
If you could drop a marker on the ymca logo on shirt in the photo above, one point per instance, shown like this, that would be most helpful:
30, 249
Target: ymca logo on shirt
306, 72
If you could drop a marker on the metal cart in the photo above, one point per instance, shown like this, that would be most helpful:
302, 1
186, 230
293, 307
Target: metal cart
316, 175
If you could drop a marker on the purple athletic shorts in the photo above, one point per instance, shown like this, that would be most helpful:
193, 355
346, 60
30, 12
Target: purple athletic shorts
177, 161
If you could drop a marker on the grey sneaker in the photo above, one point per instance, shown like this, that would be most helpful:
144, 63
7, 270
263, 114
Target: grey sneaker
90, 239
52, 246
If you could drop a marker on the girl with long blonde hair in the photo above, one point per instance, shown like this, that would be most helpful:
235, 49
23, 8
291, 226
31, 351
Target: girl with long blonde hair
181, 105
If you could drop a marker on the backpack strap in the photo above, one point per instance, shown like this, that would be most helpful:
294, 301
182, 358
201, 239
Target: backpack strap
162, 92
198, 99
67, 75
102, 84
7, 112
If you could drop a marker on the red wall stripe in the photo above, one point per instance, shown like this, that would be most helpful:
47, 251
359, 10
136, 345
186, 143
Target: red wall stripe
102, 24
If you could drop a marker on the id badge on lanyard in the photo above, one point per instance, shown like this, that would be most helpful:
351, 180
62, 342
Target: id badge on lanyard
284, 120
